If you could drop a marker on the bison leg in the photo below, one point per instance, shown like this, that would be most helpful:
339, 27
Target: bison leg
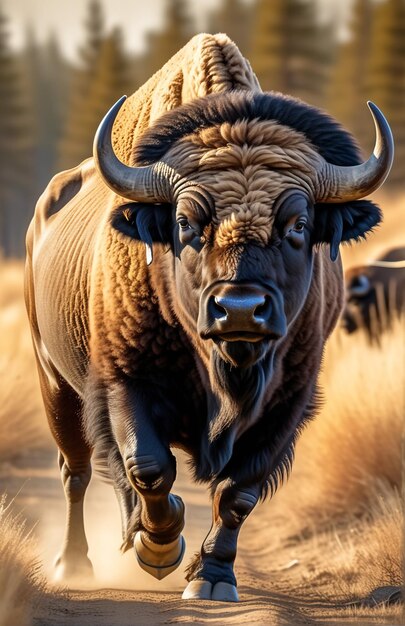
151, 470
73, 563
63, 409
211, 576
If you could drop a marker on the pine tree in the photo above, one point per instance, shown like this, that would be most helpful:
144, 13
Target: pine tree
288, 50
107, 84
163, 44
15, 149
53, 102
74, 145
268, 52
46, 79
232, 17
95, 29
347, 93
386, 75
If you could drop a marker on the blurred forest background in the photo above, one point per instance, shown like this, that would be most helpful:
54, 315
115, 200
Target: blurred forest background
50, 107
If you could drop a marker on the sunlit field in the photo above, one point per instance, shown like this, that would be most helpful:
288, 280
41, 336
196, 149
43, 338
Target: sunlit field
334, 531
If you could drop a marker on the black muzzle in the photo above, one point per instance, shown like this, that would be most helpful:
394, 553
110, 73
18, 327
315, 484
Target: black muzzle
233, 311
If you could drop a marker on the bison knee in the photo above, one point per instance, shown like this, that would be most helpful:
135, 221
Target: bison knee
146, 473
236, 505
75, 479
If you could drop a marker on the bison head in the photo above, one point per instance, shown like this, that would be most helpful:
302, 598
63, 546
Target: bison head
243, 186
375, 294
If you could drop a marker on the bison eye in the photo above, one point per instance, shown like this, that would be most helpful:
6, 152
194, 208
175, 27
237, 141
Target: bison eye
183, 223
299, 225
294, 231
189, 233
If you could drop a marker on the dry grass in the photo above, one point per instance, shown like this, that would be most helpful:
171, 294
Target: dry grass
23, 425
380, 541
366, 553
343, 501
21, 580
353, 447
23, 429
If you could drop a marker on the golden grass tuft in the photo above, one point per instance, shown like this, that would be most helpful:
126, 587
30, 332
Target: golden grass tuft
23, 426
366, 553
380, 541
21, 582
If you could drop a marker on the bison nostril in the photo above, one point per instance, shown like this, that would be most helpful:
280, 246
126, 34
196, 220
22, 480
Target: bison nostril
217, 310
263, 311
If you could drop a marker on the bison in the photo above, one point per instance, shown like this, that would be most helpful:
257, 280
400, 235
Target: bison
375, 294
180, 287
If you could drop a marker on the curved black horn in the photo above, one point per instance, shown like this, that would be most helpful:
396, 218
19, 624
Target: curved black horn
151, 183
342, 184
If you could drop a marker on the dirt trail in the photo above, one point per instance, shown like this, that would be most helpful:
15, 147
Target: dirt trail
279, 581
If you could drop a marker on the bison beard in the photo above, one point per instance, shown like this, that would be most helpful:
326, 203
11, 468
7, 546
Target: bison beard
235, 402
189, 299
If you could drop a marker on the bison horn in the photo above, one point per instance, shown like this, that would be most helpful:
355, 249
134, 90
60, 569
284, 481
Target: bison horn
342, 184
157, 182
152, 183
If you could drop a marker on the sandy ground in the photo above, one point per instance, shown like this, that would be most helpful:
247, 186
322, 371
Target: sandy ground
282, 579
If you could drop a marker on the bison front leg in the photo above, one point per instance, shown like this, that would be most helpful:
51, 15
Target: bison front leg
211, 575
151, 470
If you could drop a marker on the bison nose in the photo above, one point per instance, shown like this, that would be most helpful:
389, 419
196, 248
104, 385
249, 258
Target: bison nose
239, 309
241, 312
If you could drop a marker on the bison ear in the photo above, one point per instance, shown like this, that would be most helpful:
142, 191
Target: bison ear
149, 223
335, 223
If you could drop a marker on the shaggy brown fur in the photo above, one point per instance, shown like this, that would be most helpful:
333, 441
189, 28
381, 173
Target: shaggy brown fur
245, 166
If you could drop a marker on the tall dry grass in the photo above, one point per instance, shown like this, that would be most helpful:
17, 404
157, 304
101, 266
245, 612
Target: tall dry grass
353, 448
366, 553
21, 581
23, 425
356, 453
345, 491
23, 430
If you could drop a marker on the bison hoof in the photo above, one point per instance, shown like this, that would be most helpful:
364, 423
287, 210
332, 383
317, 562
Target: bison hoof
73, 571
156, 559
198, 590
204, 590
